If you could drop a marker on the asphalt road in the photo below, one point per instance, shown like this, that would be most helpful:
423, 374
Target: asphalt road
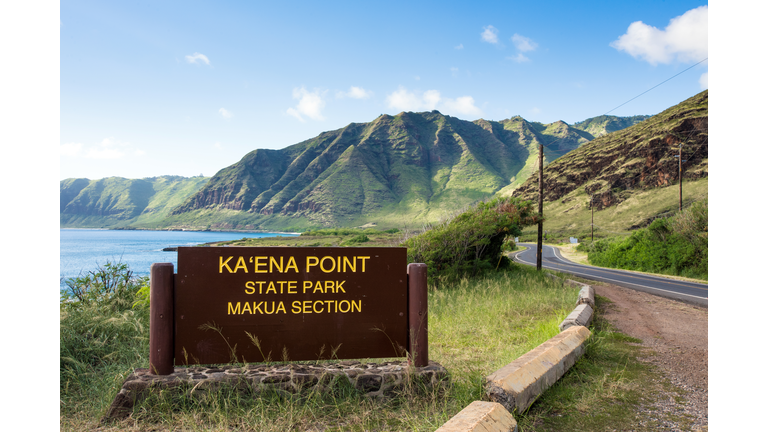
688, 292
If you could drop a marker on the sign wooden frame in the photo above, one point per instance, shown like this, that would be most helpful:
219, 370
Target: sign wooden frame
242, 304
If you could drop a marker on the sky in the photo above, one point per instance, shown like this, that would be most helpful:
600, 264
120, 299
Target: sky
188, 88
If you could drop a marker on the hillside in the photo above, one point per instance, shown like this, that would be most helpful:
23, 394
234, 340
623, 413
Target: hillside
605, 124
120, 202
630, 176
410, 168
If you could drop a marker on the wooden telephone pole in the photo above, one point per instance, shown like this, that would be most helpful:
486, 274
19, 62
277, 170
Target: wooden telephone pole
680, 174
541, 207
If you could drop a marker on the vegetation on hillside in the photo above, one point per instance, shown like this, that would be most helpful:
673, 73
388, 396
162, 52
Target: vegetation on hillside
677, 245
471, 242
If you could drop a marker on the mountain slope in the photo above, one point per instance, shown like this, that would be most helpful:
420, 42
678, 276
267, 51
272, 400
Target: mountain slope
411, 168
614, 171
117, 201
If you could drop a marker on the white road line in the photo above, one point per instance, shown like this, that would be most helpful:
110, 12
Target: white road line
618, 281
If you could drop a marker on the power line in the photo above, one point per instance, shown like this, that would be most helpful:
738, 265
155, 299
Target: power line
702, 61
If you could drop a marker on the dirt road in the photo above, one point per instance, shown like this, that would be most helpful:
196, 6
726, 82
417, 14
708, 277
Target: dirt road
676, 336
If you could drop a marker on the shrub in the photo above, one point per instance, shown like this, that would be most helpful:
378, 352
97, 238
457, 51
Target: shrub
677, 245
472, 241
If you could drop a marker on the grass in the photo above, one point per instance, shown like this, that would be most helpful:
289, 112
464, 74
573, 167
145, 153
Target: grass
475, 328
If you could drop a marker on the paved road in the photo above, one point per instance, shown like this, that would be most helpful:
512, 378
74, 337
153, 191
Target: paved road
689, 292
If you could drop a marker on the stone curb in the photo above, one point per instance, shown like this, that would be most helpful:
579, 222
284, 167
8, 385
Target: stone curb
481, 417
581, 316
517, 385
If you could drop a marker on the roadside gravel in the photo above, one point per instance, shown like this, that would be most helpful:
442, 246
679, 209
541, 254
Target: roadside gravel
676, 337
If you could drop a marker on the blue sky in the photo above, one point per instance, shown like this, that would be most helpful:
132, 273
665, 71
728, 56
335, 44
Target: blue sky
188, 88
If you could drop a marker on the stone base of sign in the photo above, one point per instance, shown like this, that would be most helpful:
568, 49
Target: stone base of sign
373, 379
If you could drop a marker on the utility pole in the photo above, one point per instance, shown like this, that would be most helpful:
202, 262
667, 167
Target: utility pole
591, 206
680, 174
541, 206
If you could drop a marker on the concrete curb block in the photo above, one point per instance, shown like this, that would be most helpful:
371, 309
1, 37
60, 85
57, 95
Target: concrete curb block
481, 417
587, 296
581, 316
517, 385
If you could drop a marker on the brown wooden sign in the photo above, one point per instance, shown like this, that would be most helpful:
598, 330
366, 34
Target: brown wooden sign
280, 303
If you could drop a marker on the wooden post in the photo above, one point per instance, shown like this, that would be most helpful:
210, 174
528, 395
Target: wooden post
417, 315
539, 247
161, 319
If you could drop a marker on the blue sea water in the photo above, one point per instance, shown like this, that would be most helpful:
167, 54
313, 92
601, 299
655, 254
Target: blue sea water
82, 250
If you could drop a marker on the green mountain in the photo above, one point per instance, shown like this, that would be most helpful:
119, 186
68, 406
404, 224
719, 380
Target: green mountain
630, 176
605, 124
120, 202
409, 169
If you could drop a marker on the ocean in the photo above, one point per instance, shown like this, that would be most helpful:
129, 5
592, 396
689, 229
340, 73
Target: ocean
82, 250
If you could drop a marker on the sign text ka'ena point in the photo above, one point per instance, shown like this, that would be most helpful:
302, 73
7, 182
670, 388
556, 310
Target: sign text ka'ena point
241, 304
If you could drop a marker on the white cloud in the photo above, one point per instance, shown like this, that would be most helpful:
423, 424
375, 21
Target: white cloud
70, 149
404, 100
462, 105
683, 40
459, 47
704, 80
454, 72
194, 58
109, 148
490, 34
535, 110
217, 145
355, 93
524, 44
520, 58
310, 104
225, 113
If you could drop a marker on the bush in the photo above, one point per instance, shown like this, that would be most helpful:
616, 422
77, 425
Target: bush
472, 241
103, 325
676, 245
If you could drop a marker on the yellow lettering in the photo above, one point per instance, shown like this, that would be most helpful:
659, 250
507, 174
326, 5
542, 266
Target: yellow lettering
261, 285
314, 306
333, 264
280, 307
296, 307
291, 265
307, 306
249, 286
233, 310
330, 285
318, 287
307, 285
279, 266
329, 303
351, 264
340, 287
292, 285
247, 307
223, 264
357, 305
340, 306
257, 307
310, 262
240, 265
258, 264
267, 311
271, 287
363, 259
281, 283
